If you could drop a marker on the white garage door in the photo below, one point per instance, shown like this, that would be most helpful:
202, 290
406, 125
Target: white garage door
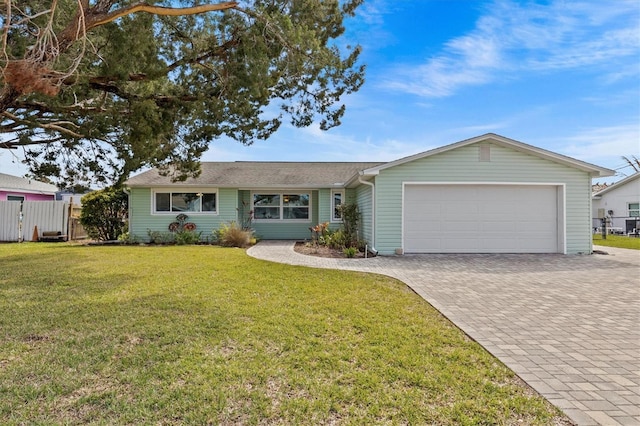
480, 219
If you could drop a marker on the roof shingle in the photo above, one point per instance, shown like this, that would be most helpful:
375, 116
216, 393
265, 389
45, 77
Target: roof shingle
261, 174
15, 183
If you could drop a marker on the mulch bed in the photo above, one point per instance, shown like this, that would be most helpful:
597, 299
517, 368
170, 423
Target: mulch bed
322, 251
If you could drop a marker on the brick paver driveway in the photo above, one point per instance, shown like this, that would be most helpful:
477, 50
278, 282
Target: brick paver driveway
568, 325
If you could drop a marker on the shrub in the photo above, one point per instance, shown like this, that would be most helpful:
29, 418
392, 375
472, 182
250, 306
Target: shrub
232, 235
157, 237
127, 238
350, 251
187, 237
337, 240
104, 213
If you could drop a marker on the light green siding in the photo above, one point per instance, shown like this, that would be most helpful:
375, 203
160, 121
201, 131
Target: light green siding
363, 198
233, 205
324, 207
142, 219
463, 165
283, 230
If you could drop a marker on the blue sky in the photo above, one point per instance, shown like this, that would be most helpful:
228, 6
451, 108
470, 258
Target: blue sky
561, 75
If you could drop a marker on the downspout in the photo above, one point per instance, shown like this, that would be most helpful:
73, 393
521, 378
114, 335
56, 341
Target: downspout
373, 213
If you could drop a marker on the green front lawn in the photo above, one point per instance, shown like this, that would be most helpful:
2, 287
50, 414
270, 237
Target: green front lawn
621, 241
208, 335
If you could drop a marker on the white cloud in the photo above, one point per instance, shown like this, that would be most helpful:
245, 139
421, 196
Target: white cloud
11, 163
604, 145
514, 38
368, 25
334, 146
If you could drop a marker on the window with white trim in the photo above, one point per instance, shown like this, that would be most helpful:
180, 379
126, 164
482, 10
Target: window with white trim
634, 209
281, 206
337, 199
181, 202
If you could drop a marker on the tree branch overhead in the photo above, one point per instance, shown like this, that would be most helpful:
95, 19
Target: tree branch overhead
150, 84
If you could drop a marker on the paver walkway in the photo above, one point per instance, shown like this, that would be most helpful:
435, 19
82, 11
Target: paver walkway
567, 325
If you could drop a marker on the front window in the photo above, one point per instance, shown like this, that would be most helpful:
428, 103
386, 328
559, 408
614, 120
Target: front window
266, 206
337, 198
192, 202
15, 198
634, 209
281, 206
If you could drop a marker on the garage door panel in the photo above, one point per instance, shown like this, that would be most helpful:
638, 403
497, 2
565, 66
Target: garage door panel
480, 219
498, 209
458, 244
456, 208
499, 227
430, 245
459, 226
500, 246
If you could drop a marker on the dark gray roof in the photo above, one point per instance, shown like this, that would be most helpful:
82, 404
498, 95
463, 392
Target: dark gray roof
261, 174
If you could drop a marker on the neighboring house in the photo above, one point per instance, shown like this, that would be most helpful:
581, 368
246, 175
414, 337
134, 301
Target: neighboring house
488, 194
70, 197
620, 203
597, 187
14, 188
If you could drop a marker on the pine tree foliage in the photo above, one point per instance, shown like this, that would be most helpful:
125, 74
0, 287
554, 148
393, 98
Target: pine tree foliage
93, 90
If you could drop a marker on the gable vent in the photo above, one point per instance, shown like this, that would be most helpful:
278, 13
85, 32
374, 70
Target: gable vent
485, 152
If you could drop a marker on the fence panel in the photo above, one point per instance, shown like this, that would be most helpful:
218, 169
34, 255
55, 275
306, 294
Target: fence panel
9, 220
48, 216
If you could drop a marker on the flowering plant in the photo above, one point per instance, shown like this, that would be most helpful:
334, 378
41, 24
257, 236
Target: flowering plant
184, 230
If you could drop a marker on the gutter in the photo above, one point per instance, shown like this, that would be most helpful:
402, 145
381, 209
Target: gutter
373, 212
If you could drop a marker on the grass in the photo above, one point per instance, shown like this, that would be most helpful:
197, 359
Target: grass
621, 241
208, 335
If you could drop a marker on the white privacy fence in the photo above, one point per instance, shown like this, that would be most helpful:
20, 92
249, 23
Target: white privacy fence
9, 220
18, 220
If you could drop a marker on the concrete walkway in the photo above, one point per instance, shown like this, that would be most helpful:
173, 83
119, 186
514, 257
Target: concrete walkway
567, 325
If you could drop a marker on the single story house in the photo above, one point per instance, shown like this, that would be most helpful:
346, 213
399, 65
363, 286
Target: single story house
488, 194
620, 204
14, 188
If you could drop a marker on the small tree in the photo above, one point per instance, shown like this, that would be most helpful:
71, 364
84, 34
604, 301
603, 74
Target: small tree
104, 213
350, 220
